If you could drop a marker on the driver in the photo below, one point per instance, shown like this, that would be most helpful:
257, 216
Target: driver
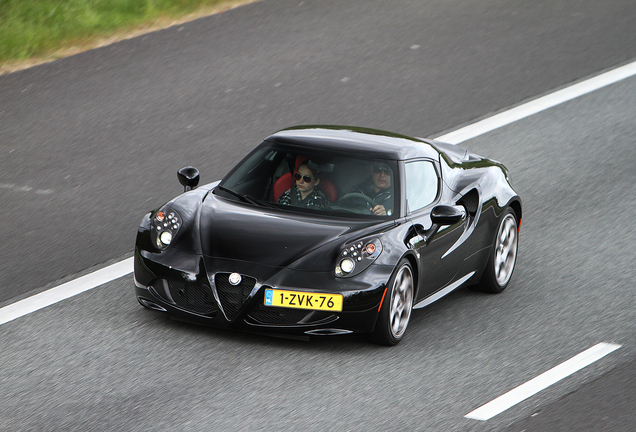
379, 188
305, 192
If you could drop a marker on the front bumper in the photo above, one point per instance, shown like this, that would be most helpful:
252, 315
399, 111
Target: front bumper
194, 288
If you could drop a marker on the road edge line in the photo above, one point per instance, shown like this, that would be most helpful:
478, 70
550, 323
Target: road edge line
540, 104
66, 290
541, 382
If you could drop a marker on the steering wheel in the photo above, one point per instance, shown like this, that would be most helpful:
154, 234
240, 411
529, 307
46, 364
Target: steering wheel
359, 195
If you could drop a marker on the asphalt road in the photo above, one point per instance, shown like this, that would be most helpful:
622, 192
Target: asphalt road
89, 143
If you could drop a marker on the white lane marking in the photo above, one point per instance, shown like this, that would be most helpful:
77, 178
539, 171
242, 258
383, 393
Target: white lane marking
66, 290
16, 188
455, 137
546, 379
543, 103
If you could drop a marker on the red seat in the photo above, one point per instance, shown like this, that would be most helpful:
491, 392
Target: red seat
327, 186
282, 184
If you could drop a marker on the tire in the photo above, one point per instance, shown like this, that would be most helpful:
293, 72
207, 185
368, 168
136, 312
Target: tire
503, 257
396, 306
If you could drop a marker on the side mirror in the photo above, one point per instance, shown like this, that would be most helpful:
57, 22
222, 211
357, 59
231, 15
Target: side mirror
188, 177
448, 215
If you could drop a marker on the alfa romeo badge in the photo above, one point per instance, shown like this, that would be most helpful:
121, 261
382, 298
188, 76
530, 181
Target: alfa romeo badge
235, 278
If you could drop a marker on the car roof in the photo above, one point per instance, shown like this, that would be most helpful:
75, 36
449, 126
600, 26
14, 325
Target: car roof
371, 142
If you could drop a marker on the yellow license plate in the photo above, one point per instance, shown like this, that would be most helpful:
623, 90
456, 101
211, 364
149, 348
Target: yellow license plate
303, 300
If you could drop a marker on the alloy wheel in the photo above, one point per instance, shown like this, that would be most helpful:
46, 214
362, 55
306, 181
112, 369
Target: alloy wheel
401, 301
506, 250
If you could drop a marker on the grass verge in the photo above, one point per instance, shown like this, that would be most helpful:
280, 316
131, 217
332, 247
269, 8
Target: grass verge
37, 31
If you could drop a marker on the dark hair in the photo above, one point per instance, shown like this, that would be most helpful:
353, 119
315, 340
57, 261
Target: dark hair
315, 174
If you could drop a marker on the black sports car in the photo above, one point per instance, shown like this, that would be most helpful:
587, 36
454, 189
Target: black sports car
326, 230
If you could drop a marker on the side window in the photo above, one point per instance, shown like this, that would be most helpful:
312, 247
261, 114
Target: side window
421, 184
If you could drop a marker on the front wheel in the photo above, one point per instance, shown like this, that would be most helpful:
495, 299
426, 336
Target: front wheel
503, 257
396, 307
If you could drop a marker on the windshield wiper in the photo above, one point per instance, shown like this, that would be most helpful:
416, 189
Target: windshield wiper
246, 198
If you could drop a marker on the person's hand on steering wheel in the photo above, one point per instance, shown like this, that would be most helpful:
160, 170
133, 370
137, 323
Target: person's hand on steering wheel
379, 210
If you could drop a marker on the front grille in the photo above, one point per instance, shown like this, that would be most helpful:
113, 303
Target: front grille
231, 296
276, 315
195, 298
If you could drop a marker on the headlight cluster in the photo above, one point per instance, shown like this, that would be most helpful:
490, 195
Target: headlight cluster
356, 257
165, 224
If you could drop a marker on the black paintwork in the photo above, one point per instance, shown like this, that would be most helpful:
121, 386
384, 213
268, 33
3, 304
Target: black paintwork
288, 248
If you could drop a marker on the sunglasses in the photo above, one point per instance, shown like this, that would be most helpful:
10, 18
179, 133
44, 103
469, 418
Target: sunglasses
378, 170
306, 179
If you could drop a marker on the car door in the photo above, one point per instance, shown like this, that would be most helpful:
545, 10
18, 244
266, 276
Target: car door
438, 264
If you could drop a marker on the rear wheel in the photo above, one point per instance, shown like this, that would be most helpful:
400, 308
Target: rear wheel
503, 257
396, 307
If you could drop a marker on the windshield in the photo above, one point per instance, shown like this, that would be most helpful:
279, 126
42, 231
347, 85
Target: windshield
316, 181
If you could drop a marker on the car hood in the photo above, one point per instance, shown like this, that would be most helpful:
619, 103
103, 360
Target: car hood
236, 231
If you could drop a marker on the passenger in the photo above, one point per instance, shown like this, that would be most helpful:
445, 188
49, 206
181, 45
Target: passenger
305, 192
379, 188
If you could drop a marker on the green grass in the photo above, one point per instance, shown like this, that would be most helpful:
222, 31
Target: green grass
32, 28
